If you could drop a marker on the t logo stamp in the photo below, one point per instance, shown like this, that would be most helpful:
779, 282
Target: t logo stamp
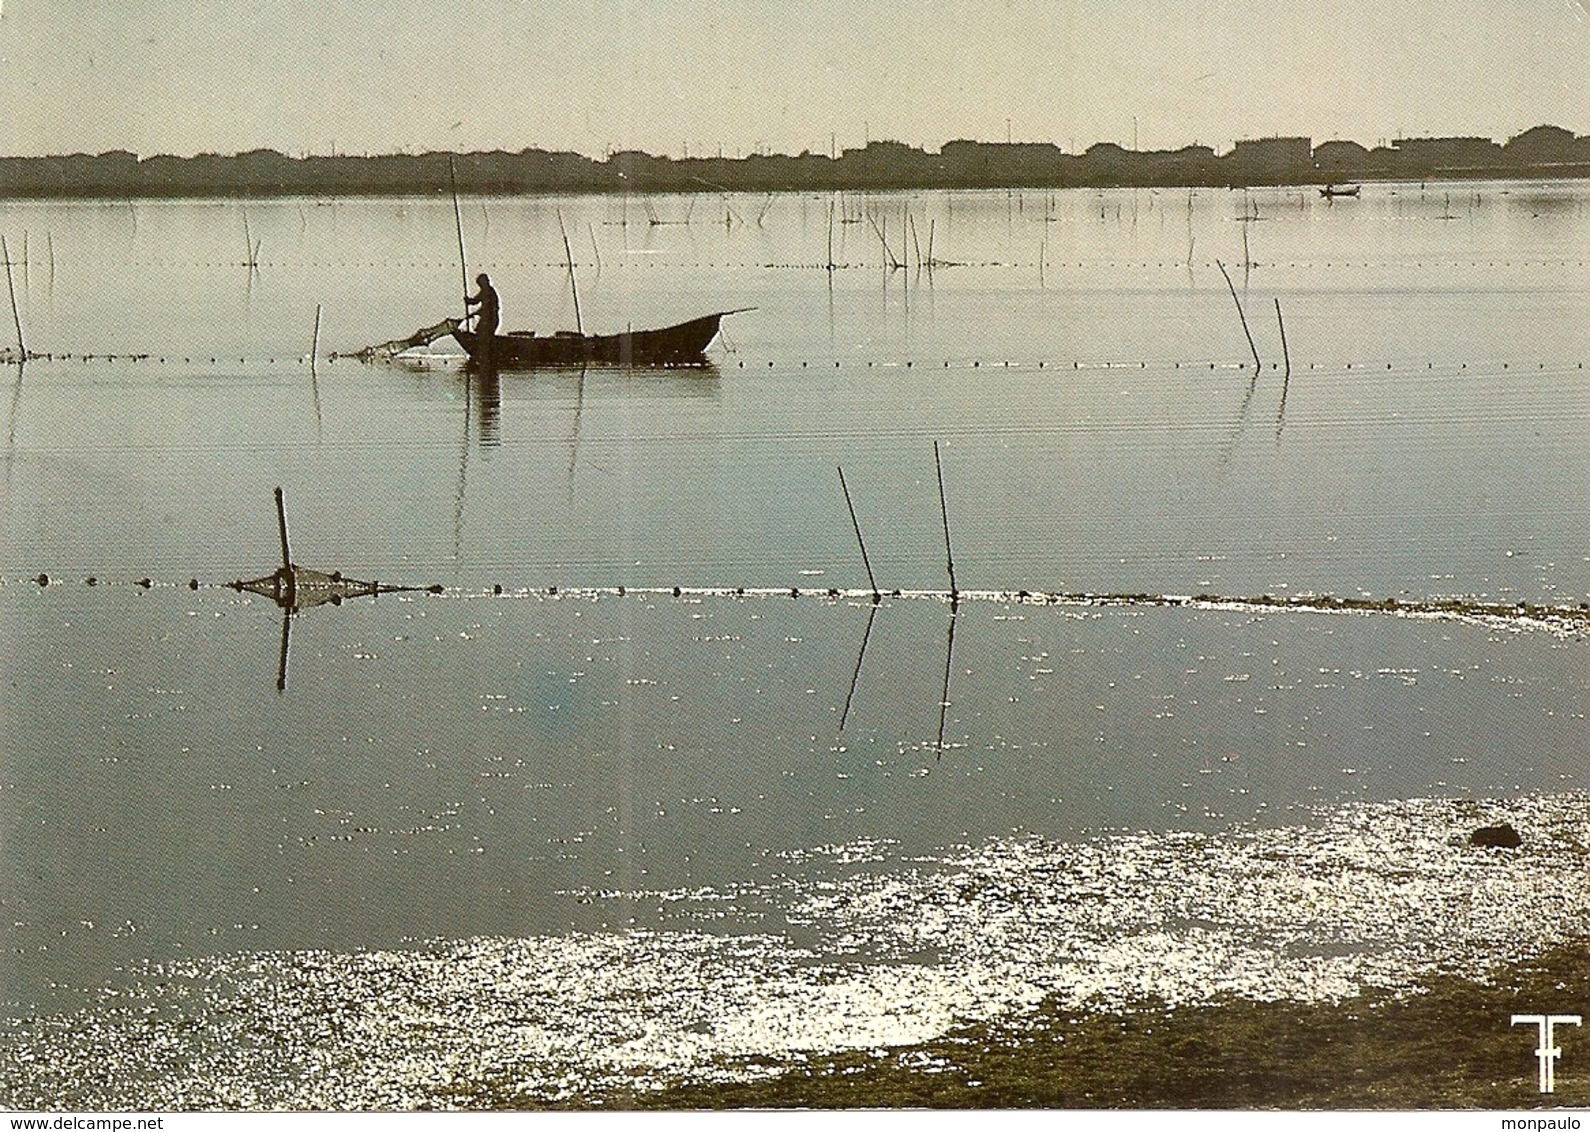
1547, 1052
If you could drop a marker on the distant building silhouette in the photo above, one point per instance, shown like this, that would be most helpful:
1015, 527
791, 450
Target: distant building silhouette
1340, 160
1270, 161
1448, 157
1541, 151
1546, 146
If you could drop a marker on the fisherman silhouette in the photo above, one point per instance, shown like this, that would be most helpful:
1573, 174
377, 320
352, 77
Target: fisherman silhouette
486, 326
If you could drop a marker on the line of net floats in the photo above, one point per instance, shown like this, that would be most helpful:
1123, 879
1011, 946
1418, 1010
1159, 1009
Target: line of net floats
10, 356
1574, 616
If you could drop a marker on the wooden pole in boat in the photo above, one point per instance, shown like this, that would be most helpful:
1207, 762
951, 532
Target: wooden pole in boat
281, 527
944, 513
5, 254
458, 225
568, 255
860, 541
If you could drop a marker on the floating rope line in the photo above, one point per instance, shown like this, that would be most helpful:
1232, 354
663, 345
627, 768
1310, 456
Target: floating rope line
1574, 619
925, 267
397, 352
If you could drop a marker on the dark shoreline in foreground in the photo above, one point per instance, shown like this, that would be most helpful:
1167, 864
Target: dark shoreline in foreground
1540, 152
1448, 1046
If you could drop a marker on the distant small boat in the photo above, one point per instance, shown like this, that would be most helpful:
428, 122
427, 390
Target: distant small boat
683, 344
1340, 191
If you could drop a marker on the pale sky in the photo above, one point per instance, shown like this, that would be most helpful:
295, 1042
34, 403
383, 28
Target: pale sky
380, 76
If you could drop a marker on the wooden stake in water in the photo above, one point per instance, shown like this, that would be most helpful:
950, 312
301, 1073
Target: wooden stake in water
250, 245
568, 255
1286, 377
1233, 288
944, 513
830, 238
281, 526
16, 318
883, 238
1285, 353
859, 541
314, 376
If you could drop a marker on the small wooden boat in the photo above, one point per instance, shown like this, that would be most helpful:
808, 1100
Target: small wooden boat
684, 344
1340, 191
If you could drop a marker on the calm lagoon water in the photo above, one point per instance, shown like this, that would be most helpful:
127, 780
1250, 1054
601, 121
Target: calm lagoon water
472, 764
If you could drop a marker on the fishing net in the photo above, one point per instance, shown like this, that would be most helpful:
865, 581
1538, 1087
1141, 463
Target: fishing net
422, 337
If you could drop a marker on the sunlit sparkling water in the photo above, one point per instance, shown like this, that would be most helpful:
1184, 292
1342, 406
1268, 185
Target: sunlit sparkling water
1373, 896
530, 777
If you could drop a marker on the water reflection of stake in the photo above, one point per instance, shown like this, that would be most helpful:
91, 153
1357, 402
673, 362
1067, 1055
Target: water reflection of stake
955, 601
296, 588
877, 597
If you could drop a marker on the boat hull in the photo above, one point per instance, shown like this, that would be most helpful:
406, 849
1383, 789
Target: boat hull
684, 344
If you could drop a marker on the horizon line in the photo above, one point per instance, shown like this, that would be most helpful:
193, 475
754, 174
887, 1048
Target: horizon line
835, 153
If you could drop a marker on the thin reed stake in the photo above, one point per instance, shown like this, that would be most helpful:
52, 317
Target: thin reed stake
1233, 288
568, 254
1286, 377
281, 526
859, 540
944, 513
16, 318
314, 376
830, 236
884, 240
1285, 353
250, 256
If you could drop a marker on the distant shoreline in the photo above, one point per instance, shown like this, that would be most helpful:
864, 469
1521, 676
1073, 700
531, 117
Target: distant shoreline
1539, 153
